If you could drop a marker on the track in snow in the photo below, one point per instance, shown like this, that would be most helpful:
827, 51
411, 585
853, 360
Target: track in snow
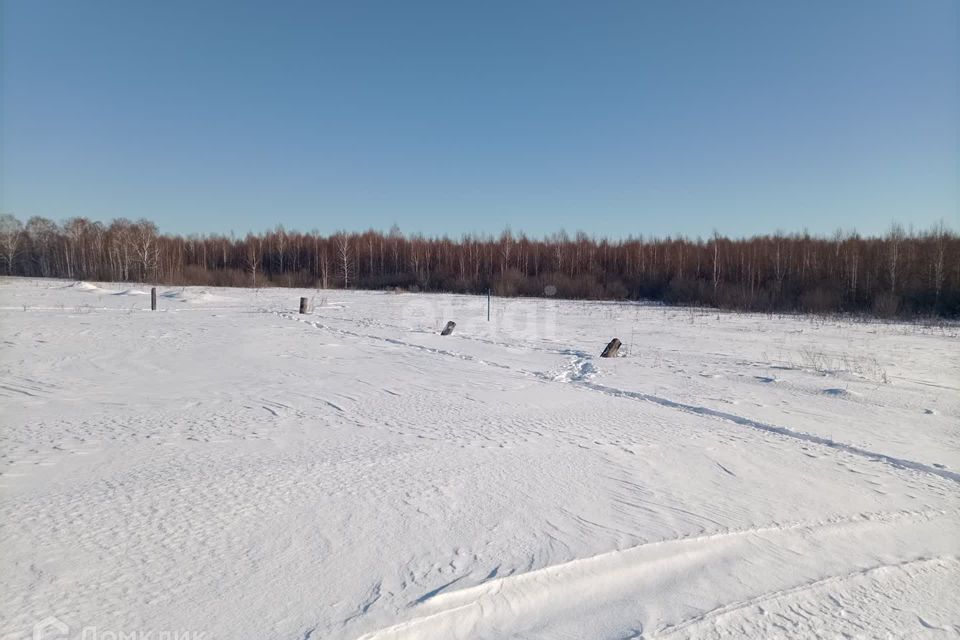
581, 370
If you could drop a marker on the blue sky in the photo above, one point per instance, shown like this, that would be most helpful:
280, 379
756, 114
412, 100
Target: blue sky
617, 118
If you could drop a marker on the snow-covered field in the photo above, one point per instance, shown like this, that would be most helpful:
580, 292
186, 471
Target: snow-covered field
227, 468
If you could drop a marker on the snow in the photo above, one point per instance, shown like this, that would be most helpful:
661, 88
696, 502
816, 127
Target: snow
229, 467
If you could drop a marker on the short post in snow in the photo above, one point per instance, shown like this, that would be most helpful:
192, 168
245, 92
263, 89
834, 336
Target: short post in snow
303, 305
447, 330
488, 304
153, 298
611, 350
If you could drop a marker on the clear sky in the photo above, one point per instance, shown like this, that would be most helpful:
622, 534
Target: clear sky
617, 118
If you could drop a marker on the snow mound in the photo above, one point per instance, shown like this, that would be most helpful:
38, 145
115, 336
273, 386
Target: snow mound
84, 286
194, 297
580, 368
839, 393
92, 288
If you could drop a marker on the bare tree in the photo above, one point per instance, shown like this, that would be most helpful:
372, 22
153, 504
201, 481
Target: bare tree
344, 257
11, 232
253, 256
940, 243
894, 239
42, 234
281, 241
716, 261
145, 247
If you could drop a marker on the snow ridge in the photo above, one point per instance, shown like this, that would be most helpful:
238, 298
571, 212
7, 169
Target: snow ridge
517, 602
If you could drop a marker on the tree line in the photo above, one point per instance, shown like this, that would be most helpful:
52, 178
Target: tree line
902, 273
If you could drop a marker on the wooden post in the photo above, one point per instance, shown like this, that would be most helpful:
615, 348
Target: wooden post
488, 304
153, 298
447, 330
611, 350
303, 305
